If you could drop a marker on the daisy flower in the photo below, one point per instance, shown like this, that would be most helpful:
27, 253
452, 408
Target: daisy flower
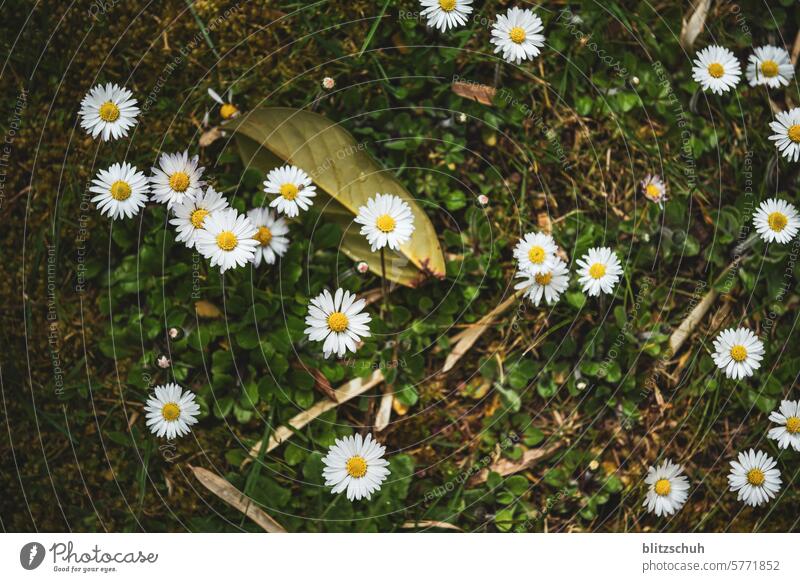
535, 252
667, 489
227, 110
654, 189
517, 35
739, 352
387, 221
355, 465
190, 215
294, 188
788, 417
599, 270
771, 66
755, 477
177, 178
121, 191
549, 284
338, 320
227, 239
716, 68
271, 235
171, 411
108, 111
776, 220
787, 133
444, 14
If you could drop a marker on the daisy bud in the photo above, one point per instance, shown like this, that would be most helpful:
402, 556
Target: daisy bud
173, 332
328, 83
163, 362
483, 200
461, 117
362, 267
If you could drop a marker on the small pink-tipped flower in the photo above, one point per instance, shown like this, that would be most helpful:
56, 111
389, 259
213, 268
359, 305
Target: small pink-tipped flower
163, 362
328, 83
362, 267
173, 332
483, 200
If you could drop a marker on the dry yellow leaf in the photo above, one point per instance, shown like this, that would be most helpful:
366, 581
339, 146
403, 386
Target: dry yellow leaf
207, 309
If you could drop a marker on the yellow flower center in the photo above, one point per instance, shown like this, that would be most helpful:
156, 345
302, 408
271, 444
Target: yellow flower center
447, 5
543, 278
777, 221
289, 191
227, 241
597, 271
517, 35
653, 192
264, 235
536, 255
738, 353
197, 217
120, 190
755, 477
385, 223
793, 424
109, 111
171, 411
228, 110
794, 133
769, 68
716, 70
337, 321
179, 181
662, 487
356, 467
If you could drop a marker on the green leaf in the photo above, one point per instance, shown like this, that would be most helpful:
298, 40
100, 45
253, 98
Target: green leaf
346, 176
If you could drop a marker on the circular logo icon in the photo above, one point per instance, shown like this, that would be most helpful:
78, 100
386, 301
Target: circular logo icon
31, 555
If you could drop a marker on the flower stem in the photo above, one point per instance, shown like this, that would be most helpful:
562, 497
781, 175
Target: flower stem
384, 293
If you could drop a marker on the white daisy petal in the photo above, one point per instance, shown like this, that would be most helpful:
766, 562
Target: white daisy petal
294, 189
226, 239
667, 490
121, 191
171, 411
108, 111
599, 271
755, 477
771, 66
738, 352
190, 216
352, 465
517, 34
716, 69
654, 189
386, 220
177, 179
270, 234
549, 284
536, 253
446, 14
337, 321
776, 221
